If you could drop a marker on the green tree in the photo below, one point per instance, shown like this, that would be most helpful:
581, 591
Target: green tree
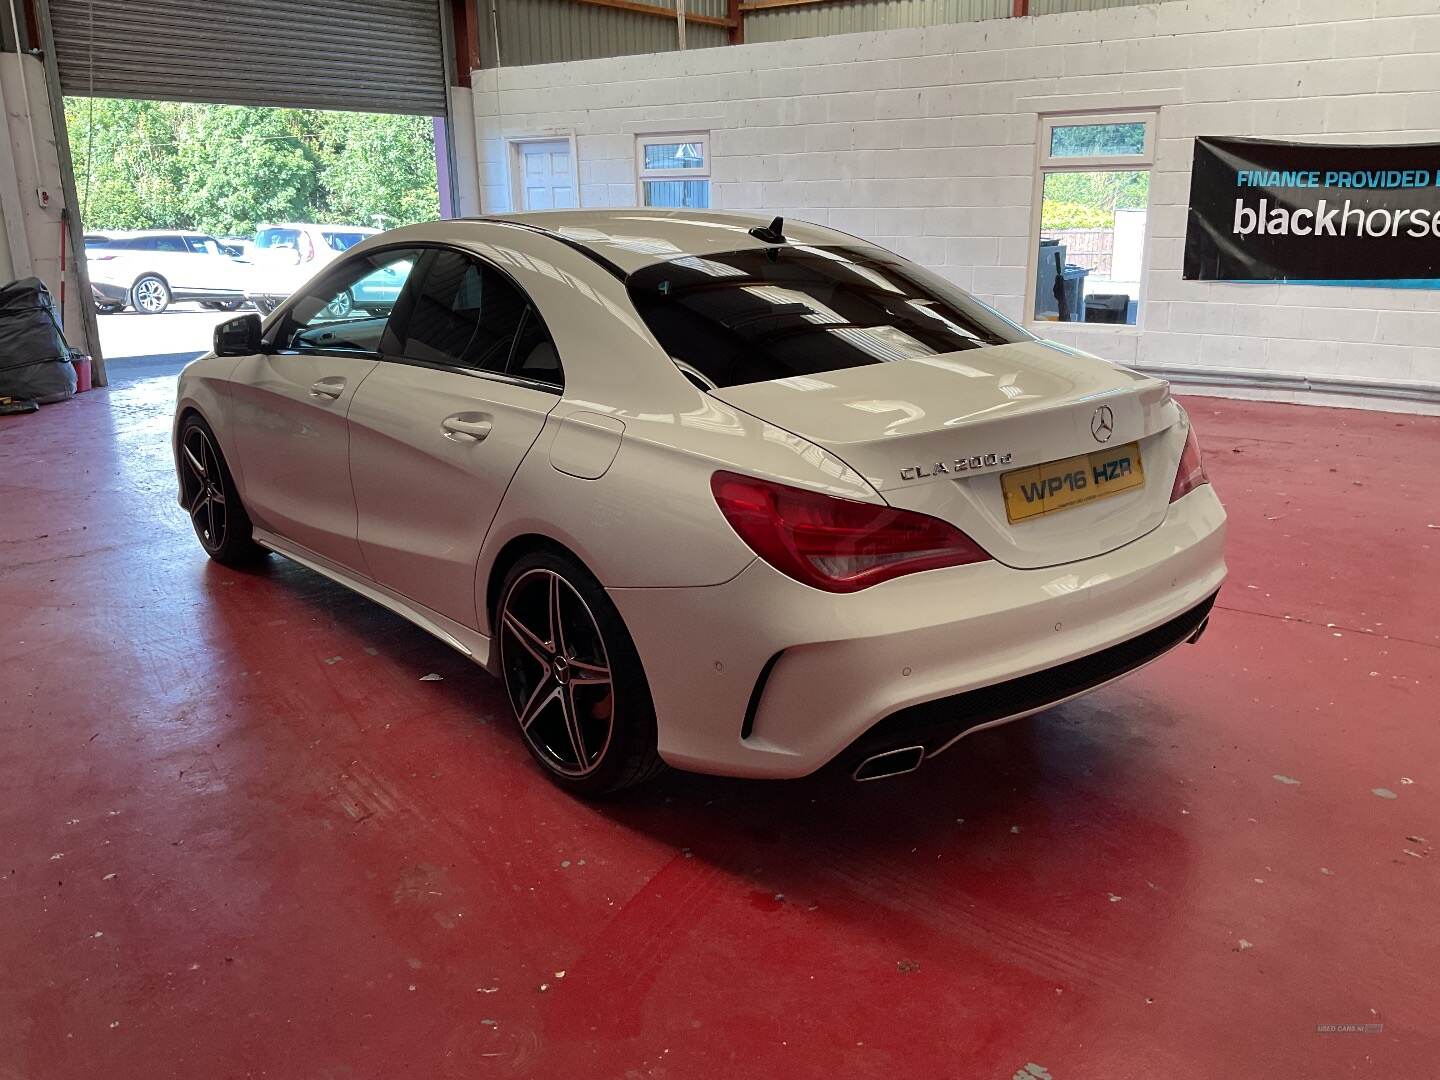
1069, 215
125, 168
224, 169
1092, 197
377, 170
242, 166
1097, 140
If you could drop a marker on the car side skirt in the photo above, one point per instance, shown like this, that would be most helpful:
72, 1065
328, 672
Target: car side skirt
467, 642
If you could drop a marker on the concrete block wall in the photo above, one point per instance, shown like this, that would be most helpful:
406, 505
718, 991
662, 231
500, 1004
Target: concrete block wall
924, 140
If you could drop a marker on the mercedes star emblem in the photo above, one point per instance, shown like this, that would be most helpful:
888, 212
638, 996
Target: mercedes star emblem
1102, 424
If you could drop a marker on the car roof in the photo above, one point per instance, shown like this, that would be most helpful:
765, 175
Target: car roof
632, 239
366, 229
117, 234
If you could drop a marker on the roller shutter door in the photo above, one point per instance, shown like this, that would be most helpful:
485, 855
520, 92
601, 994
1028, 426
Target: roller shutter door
362, 55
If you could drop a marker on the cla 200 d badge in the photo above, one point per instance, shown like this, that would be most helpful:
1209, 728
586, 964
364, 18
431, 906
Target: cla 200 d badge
956, 465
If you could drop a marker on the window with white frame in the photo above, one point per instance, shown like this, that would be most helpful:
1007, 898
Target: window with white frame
674, 170
1094, 195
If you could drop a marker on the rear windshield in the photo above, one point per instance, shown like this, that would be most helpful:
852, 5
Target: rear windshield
342, 241
774, 313
276, 238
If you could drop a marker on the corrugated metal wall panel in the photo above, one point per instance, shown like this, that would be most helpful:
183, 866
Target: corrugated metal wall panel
1056, 7
361, 55
549, 31
706, 37
849, 16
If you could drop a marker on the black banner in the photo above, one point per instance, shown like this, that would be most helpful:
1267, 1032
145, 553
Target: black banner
1305, 213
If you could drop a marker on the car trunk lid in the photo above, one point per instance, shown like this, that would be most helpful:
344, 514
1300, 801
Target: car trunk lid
936, 434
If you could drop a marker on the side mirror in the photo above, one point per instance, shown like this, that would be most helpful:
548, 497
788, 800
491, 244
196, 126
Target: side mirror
238, 337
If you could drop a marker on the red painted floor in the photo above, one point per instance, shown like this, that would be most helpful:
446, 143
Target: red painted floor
239, 837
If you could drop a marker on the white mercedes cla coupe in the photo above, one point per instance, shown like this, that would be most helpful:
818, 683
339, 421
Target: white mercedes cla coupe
742, 497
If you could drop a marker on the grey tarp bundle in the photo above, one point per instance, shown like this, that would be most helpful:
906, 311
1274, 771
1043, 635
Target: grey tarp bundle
34, 359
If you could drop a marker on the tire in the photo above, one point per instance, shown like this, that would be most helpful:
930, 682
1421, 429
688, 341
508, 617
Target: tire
208, 491
150, 295
341, 306
580, 698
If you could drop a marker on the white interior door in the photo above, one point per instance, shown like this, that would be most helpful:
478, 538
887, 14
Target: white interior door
547, 180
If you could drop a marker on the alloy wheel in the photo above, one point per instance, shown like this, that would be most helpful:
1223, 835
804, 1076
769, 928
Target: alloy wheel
204, 488
341, 306
557, 672
150, 295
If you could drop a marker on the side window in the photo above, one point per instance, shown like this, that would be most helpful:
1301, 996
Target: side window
169, 243
278, 238
341, 241
535, 356
347, 309
465, 314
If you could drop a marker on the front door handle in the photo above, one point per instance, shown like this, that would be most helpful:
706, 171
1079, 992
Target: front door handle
330, 388
467, 426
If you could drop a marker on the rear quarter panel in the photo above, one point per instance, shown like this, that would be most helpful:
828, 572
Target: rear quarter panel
650, 521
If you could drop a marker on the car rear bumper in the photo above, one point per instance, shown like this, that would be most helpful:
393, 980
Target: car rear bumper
110, 294
935, 726
763, 676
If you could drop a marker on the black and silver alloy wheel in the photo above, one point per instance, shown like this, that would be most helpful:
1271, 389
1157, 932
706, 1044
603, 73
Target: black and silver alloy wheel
342, 305
574, 679
150, 295
557, 672
207, 492
204, 490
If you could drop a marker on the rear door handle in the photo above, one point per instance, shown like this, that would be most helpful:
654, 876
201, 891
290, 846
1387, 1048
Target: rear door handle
331, 388
467, 426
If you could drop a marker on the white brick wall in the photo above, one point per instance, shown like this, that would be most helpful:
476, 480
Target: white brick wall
914, 138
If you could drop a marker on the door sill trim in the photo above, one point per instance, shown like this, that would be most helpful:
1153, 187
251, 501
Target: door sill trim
467, 642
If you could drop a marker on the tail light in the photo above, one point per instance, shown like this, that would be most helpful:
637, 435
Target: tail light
837, 545
1192, 469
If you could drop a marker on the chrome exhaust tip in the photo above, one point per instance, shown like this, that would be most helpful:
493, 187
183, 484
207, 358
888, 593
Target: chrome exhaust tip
890, 763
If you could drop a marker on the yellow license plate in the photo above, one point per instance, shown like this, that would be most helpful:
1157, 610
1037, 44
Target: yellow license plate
1059, 485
